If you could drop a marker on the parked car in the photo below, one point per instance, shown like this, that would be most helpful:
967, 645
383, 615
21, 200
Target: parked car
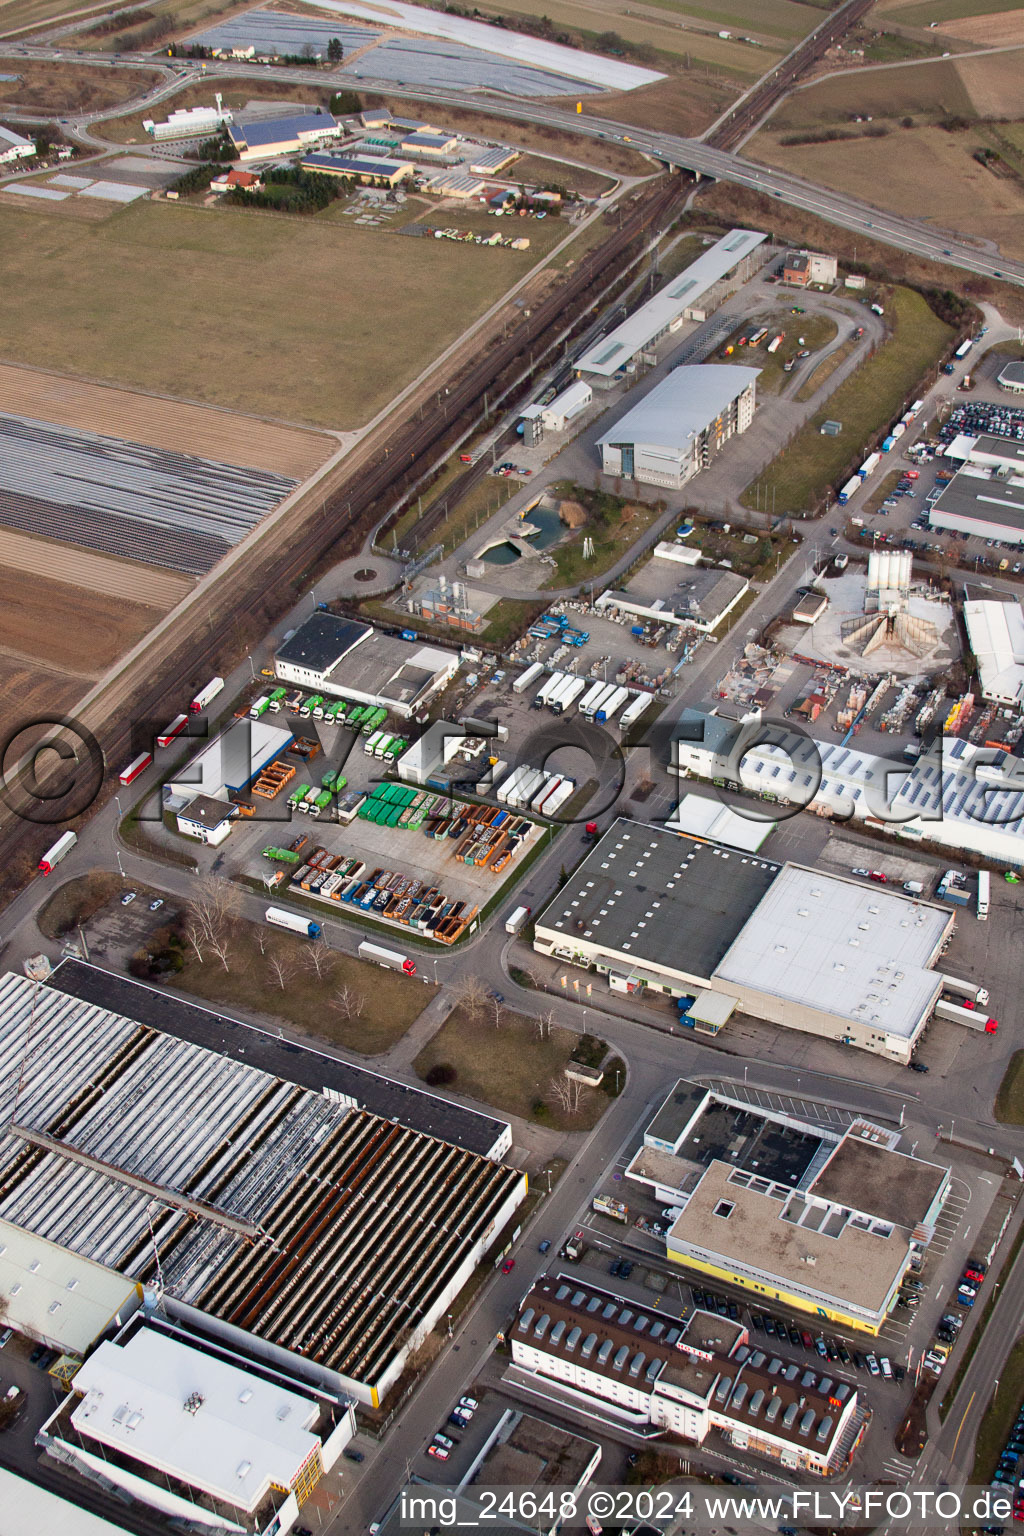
6, 1336
127, 898
155, 906
440, 1439
822, 1348
470, 1403
917, 1066
544, 1246
508, 1266
352, 1454
873, 1365
438, 1452
457, 1420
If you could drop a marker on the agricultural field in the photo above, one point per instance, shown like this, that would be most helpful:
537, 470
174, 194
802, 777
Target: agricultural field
62, 87
948, 13
152, 24
675, 105
872, 396
24, 15
923, 172
991, 28
161, 423
196, 276
101, 575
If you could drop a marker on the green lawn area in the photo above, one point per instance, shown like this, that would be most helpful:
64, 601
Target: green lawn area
384, 1003
999, 1416
807, 333
805, 470
510, 1067
613, 523
508, 617
259, 312
1010, 1098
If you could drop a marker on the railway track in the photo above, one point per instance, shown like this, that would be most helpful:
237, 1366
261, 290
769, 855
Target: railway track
734, 128
328, 522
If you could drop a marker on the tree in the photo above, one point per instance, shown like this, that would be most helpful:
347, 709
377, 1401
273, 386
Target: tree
497, 1010
471, 997
440, 1076
567, 1093
347, 1001
545, 1023
211, 914
335, 51
280, 970
319, 958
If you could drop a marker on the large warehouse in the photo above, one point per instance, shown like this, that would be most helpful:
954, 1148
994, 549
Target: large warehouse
679, 300
996, 635
323, 1239
822, 1219
675, 431
819, 953
986, 497
336, 656
283, 135
229, 764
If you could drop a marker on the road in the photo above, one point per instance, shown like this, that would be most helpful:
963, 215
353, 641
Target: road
685, 153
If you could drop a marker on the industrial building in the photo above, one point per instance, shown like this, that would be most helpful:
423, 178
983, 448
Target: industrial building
586, 1347
679, 300
432, 146
206, 819
361, 167
322, 1240
382, 117
345, 659
57, 1297
995, 632
945, 796
201, 1436
801, 269
676, 429
986, 497
558, 413
227, 767
672, 589
821, 1219
14, 147
819, 953
1011, 378
341, 1081
190, 122
263, 139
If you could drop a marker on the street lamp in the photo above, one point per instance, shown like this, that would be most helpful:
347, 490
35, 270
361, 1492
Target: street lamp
120, 866
312, 593
117, 802
252, 669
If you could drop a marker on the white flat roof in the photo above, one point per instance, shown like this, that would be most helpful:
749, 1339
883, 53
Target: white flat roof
839, 945
245, 1433
55, 1294
620, 346
705, 816
231, 758
578, 393
681, 406
27, 1507
996, 633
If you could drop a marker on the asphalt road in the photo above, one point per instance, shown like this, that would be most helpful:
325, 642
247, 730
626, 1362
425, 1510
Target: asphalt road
688, 154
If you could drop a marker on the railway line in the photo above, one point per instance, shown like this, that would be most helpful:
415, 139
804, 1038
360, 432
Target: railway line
331, 519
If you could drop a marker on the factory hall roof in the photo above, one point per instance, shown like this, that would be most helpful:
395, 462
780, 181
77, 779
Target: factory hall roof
869, 1177
324, 1231
280, 130
322, 641
982, 497
53, 1294
996, 633
413, 1107
680, 407
660, 898
842, 947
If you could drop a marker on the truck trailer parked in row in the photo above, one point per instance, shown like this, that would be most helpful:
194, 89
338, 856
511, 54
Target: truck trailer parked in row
207, 695
291, 920
60, 850
527, 678
169, 732
390, 959
135, 767
969, 989
972, 1017
610, 707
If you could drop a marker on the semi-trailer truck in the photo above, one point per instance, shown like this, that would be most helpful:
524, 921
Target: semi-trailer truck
547, 688
588, 703
852, 485
984, 894
207, 695
291, 920
390, 959
568, 696
60, 850
870, 463
514, 923
633, 710
135, 767
972, 1017
969, 989
169, 732
610, 708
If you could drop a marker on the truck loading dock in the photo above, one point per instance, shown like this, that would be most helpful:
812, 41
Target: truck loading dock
797, 947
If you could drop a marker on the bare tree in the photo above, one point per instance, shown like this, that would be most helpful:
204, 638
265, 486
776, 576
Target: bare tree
347, 1001
497, 1011
545, 1023
212, 909
220, 944
196, 937
281, 970
471, 996
260, 936
319, 957
567, 1093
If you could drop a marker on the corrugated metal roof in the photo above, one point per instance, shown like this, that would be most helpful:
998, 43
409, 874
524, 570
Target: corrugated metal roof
681, 406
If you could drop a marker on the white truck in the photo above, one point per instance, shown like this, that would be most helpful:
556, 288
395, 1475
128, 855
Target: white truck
206, 695
610, 707
390, 959
515, 921
292, 921
552, 682
633, 710
588, 703
969, 989
60, 850
568, 696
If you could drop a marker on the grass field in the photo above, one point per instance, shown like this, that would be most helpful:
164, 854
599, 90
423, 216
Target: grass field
614, 525
1010, 1098
61, 87
536, 170
921, 13
928, 91
686, 106
22, 15
510, 1068
178, 16
923, 172
387, 1003
807, 333
864, 403
263, 313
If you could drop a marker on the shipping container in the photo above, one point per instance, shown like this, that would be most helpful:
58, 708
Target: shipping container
207, 695
61, 848
169, 732
291, 920
135, 767
391, 959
